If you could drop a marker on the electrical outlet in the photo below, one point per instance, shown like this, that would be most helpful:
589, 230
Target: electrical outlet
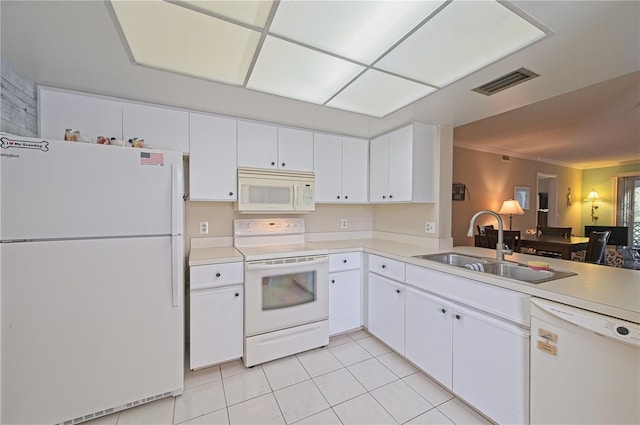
204, 227
429, 227
343, 223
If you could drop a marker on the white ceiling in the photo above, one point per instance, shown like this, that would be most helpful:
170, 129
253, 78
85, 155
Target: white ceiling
76, 45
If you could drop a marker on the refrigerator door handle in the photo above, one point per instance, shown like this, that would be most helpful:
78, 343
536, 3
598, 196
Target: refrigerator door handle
175, 270
176, 199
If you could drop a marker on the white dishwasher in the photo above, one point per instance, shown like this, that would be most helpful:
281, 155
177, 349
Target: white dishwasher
585, 367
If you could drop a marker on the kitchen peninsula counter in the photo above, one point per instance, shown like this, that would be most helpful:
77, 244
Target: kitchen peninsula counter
607, 290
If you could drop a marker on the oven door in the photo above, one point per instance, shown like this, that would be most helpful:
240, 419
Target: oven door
286, 292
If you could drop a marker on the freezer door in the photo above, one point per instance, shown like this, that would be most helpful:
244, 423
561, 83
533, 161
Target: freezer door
88, 326
54, 189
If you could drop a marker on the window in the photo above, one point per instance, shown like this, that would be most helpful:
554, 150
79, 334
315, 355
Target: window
628, 206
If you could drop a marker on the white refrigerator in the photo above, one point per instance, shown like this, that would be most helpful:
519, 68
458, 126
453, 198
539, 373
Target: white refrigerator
91, 269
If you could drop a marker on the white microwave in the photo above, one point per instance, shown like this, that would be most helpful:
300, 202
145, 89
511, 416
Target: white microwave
265, 191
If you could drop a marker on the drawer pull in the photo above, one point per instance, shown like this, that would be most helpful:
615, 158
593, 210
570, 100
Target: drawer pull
218, 274
344, 261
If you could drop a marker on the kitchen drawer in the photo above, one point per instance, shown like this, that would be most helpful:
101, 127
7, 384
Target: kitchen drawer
344, 261
393, 269
216, 275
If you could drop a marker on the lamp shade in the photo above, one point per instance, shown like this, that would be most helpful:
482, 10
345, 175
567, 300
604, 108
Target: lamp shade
511, 207
593, 195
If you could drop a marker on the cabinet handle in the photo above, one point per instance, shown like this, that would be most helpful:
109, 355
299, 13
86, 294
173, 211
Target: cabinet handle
333, 281
217, 274
344, 261
283, 164
443, 311
237, 294
384, 266
273, 163
458, 316
346, 196
397, 291
338, 197
230, 193
384, 196
390, 196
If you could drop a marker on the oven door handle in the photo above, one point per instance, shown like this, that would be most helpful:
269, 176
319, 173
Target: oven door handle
264, 265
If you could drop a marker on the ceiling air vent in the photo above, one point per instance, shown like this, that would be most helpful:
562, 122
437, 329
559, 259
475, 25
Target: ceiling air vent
511, 79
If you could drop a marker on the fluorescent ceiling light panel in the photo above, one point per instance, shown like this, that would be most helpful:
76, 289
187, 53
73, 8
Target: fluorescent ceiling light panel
250, 12
357, 30
177, 39
378, 94
462, 38
290, 70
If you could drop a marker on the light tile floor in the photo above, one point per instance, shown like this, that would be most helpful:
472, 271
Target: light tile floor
355, 380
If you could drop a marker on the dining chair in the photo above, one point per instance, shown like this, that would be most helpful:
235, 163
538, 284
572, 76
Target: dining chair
596, 252
481, 229
511, 238
564, 232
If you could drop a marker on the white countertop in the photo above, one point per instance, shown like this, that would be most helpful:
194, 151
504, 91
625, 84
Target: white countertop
606, 290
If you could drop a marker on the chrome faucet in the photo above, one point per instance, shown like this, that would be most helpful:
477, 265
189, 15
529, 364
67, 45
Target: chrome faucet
501, 248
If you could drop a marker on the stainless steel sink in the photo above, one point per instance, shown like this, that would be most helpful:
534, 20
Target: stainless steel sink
453, 259
515, 271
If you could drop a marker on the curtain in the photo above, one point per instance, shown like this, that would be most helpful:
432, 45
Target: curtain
628, 207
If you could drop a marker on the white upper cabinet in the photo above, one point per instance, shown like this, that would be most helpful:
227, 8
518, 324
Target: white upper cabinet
267, 146
160, 127
257, 145
212, 158
341, 167
403, 165
295, 149
92, 116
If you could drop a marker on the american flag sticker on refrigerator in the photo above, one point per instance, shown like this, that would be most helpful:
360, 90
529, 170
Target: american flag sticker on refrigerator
151, 158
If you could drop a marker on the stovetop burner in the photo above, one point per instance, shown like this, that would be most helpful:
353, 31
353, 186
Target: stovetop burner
260, 239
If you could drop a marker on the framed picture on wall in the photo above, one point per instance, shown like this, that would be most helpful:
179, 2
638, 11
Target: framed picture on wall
523, 196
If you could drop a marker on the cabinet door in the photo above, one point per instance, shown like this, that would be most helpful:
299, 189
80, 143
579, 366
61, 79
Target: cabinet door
257, 145
161, 128
491, 366
212, 158
327, 157
428, 334
345, 306
215, 330
355, 170
386, 311
295, 149
400, 164
93, 116
379, 169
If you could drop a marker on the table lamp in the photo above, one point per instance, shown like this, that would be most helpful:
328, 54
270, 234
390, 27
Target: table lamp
511, 207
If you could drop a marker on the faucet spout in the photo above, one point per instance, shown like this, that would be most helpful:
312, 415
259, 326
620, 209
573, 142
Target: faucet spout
501, 250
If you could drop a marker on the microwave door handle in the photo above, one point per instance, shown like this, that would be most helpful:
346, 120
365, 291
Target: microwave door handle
259, 265
295, 196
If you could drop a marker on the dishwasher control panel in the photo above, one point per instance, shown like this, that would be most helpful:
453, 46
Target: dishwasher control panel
603, 325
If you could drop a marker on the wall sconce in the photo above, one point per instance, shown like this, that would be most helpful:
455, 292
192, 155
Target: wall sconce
593, 197
511, 207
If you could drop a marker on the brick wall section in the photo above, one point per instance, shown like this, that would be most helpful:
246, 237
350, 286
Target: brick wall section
19, 108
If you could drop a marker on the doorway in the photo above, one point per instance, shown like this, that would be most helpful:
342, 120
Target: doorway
547, 200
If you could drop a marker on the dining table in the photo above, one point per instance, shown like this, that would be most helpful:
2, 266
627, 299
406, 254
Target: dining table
550, 245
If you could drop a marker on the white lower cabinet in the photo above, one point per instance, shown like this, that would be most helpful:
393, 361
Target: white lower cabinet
345, 311
216, 325
428, 330
386, 311
491, 366
482, 358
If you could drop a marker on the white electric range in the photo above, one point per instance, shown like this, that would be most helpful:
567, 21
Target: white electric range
286, 289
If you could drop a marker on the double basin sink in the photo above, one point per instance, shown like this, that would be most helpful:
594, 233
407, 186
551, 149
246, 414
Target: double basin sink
509, 270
